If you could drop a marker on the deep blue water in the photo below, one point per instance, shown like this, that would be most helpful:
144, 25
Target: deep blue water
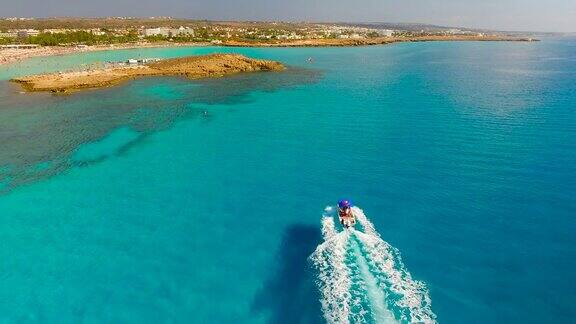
129, 205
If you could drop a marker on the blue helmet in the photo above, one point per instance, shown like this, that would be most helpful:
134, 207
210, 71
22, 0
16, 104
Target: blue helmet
344, 203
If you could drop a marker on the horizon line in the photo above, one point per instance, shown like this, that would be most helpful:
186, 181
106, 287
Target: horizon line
294, 21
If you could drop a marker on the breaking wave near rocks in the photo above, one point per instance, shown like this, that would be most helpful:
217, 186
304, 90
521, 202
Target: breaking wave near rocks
362, 278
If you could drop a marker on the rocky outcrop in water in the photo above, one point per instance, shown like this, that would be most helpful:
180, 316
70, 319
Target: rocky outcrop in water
194, 67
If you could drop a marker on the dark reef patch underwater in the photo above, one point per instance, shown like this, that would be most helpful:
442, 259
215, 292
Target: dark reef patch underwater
42, 133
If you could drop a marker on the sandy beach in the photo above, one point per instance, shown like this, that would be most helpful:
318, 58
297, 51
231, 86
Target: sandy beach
8, 56
11, 55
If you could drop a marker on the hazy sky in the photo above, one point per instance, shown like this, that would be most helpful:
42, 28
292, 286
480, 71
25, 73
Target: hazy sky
537, 15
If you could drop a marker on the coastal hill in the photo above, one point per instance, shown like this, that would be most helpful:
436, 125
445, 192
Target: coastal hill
194, 67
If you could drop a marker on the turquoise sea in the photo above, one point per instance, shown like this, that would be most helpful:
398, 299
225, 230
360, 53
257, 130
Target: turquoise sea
165, 200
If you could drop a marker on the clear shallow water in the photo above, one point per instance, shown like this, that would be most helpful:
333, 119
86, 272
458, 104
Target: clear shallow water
127, 204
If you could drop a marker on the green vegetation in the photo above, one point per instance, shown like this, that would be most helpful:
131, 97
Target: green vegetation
156, 38
5, 41
80, 37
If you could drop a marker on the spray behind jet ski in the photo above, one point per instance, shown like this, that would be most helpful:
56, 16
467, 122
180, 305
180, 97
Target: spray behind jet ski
361, 277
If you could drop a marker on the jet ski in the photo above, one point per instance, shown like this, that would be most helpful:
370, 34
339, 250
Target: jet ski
345, 215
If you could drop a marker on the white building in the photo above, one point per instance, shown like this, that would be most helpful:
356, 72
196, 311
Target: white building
169, 32
182, 31
386, 32
160, 31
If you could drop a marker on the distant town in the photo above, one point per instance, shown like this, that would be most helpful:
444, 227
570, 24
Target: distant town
21, 32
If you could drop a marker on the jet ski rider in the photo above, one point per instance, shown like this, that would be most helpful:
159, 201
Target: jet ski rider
345, 213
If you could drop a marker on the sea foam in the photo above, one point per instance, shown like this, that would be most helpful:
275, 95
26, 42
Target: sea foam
362, 278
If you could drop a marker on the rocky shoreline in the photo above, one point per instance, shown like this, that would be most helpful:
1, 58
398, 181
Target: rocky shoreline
377, 41
194, 67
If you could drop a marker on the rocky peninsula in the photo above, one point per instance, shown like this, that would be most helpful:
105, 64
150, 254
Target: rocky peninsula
194, 67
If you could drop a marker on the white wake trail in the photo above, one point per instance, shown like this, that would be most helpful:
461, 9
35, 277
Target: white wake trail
362, 278
333, 277
376, 296
413, 300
